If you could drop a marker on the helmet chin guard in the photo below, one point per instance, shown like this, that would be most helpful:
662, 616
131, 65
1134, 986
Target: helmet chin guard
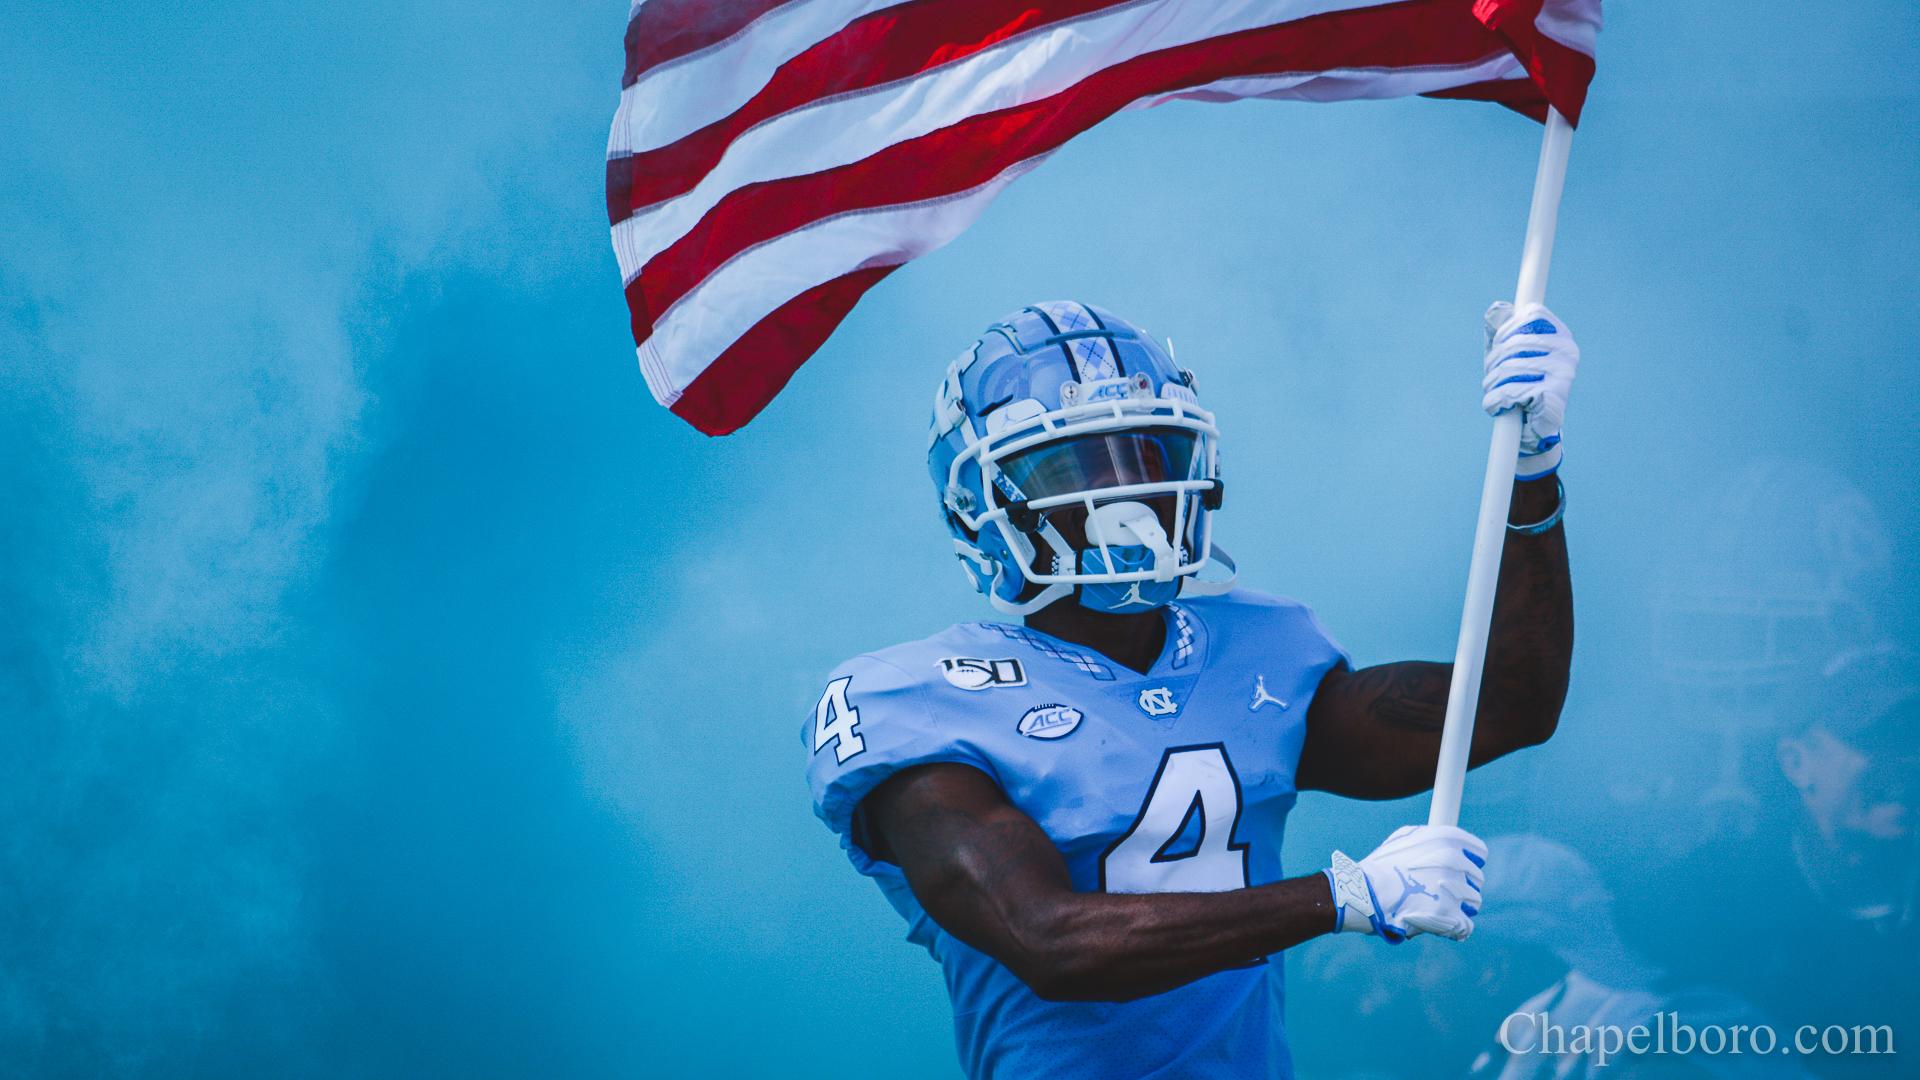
1065, 408
1131, 540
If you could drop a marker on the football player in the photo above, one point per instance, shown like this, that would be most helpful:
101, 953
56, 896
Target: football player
1080, 817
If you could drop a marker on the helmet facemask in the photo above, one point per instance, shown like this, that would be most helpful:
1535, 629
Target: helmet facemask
1118, 490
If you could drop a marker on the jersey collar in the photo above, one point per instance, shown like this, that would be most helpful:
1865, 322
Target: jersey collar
1183, 652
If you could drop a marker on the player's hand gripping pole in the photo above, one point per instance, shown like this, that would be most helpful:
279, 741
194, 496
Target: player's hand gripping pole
1490, 536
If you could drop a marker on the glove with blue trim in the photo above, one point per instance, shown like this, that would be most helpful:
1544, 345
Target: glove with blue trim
1530, 360
1425, 879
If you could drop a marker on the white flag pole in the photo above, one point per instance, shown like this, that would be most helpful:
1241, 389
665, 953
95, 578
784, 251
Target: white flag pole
1490, 536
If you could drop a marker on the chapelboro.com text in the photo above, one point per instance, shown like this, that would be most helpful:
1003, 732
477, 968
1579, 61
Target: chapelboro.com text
1536, 1033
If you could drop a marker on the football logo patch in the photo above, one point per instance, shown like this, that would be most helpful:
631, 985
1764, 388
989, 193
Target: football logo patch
1050, 721
1158, 702
968, 673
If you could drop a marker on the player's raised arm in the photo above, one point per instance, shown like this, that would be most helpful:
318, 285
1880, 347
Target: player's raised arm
1375, 733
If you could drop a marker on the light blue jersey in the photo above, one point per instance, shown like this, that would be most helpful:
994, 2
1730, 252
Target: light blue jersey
1178, 780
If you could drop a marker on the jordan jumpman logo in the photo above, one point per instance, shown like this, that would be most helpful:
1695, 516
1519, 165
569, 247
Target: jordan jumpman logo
1133, 596
1260, 695
1409, 886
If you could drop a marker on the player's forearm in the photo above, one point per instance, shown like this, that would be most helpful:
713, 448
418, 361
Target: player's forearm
989, 876
1530, 646
1113, 947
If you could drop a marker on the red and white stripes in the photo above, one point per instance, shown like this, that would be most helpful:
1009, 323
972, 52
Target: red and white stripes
769, 163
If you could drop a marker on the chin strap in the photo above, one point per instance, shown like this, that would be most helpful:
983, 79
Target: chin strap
1190, 584
984, 565
969, 554
1062, 551
1193, 586
1047, 596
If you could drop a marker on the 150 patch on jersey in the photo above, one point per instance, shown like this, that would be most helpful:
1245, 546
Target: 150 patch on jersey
969, 674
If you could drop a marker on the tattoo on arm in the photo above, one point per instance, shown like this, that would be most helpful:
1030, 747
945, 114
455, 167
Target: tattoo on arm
1412, 695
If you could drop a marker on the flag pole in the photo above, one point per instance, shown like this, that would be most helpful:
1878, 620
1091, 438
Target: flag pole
1490, 535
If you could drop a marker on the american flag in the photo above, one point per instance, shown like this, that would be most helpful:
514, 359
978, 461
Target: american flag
771, 162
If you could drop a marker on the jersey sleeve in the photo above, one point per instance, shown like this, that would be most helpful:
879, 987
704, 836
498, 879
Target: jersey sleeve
873, 720
1339, 653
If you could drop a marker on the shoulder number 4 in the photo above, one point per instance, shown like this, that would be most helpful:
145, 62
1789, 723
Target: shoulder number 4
834, 720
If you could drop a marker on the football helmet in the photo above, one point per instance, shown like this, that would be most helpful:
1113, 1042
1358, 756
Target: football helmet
1069, 452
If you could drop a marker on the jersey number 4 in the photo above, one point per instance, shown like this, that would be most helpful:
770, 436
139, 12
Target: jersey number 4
834, 721
1183, 839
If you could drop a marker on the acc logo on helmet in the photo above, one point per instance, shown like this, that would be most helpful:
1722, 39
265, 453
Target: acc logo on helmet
969, 674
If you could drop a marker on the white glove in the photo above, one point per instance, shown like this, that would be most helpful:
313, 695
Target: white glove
1424, 879
1530, 361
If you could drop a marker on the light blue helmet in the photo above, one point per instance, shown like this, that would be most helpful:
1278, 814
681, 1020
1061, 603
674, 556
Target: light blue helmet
1066, 430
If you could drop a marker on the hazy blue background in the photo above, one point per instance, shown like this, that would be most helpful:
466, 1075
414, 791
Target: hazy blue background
389, 688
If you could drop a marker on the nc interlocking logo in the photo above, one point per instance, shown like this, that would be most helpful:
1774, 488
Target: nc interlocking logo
1158, 702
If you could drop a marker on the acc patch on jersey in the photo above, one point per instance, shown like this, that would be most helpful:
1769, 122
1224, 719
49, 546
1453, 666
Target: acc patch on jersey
1050, 721
968, 673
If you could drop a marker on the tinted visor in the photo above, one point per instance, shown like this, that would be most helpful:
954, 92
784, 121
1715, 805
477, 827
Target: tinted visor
1112, 459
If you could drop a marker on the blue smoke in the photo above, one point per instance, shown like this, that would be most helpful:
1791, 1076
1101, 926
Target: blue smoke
392, 689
